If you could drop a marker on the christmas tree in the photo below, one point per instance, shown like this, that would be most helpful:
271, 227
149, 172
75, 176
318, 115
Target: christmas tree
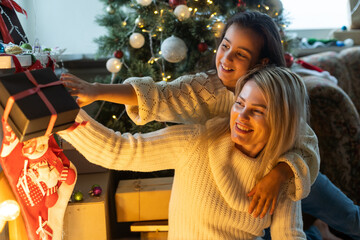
165, 39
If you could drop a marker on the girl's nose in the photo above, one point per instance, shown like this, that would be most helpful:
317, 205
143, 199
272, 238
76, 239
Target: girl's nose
228, 56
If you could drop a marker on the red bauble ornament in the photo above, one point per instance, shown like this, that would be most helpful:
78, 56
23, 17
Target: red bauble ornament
174, 3
202, 47
118, 54
289, 59
241, 3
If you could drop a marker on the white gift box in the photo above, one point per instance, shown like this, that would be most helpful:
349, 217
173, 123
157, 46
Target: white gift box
6, 62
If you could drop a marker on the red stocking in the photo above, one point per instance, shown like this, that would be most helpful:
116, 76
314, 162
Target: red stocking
42, 179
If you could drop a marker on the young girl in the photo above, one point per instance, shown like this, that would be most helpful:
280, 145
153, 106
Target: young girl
216, 164
249, 39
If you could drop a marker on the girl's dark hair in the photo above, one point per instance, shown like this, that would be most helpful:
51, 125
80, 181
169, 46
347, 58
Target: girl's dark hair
263, 25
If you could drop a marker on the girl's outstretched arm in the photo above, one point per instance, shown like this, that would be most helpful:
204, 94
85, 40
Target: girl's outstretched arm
90, 92
187, 99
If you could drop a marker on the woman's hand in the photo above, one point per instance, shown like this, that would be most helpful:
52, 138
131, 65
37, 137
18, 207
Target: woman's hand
85, 91
266, 191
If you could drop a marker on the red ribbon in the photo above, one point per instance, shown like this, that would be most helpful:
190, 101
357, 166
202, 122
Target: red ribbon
5, 32
308, 65
12, 4
76, 125
31, 91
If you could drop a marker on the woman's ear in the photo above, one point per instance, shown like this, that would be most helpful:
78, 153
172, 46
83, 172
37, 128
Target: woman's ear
264, 61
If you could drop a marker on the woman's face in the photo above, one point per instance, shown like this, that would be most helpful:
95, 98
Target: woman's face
250, 130
237, 53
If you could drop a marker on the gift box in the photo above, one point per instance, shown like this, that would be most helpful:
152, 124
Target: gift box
7, 62
10, 27
143, 199
354, 34
31, 116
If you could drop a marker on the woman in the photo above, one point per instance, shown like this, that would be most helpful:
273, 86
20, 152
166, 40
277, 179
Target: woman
216, 164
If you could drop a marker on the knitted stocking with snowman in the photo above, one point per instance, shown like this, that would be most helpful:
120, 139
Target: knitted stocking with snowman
42, 179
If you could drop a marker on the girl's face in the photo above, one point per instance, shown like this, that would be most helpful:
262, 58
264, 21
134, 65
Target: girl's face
237, 53
250, 130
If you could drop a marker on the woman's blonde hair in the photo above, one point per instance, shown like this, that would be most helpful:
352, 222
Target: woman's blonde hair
287, 111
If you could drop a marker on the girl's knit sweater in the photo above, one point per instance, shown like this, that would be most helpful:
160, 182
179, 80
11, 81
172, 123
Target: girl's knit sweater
212, 177
197, 98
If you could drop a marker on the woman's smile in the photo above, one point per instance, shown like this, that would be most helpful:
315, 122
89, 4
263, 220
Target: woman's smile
242, 128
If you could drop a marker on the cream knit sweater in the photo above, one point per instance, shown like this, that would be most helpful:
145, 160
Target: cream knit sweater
197, 98
212, 177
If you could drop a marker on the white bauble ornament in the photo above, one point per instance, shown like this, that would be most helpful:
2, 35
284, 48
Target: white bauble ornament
218, 28
137, 40
110, 9
173, 49
349, 42
144, 2
182, 12
113, 65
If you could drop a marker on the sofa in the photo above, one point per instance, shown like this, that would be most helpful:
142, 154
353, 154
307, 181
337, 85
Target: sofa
334, 116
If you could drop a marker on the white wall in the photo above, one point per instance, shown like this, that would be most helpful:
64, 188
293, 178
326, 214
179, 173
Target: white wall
71, 24
66, 24
318, 14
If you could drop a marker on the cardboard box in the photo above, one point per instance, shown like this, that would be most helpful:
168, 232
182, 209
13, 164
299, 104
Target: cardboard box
143, 199
88, 219
354, 34
29, 116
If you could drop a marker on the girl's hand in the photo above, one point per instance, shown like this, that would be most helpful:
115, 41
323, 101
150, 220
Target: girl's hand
85, 91
266, 191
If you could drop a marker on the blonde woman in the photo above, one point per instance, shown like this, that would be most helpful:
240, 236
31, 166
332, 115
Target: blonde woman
216, 164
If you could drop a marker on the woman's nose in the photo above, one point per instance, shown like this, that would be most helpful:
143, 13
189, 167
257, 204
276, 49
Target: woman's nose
244, 114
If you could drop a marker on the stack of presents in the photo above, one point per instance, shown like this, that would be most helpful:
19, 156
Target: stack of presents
36, 172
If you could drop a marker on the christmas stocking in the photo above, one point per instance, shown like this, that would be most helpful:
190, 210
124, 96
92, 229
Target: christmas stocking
41, 178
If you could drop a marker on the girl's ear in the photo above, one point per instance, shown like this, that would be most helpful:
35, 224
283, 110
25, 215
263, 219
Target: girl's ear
264, 61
